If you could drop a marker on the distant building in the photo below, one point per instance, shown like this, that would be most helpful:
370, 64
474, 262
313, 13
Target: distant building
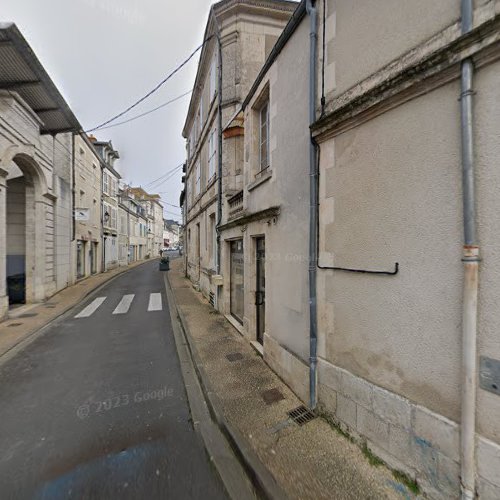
110, 180
171, 233
154, 214
87, 208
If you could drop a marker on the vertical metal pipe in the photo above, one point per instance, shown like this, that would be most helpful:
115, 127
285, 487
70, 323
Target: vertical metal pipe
471, 274
313, 210
219, 153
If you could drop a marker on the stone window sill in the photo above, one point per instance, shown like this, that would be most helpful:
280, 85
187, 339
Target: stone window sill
257, 182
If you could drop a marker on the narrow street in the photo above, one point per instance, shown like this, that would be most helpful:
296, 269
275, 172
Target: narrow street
96, 406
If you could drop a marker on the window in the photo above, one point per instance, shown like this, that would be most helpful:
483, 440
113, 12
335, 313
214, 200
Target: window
201, 112
213, 78
105, 183
106, 210
212, 150
264, 136
198, 178
213, 241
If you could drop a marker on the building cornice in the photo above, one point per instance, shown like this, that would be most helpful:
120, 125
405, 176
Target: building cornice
425, 68
268, 213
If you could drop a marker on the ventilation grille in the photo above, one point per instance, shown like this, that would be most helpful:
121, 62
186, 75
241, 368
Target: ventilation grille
301, 415
212, 299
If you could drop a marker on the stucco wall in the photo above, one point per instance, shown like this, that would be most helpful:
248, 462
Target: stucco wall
390, 192
287, 241
384, 31
245, 46
487, 111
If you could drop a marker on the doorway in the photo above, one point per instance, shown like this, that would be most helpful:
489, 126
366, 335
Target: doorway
16, 237
80, 259
237, 280
198, 250
93, 257
260, 293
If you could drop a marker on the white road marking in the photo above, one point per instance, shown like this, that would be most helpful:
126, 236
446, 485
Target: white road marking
91, 308
154, 302
124, 305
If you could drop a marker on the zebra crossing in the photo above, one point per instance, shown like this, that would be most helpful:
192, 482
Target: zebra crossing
123, 307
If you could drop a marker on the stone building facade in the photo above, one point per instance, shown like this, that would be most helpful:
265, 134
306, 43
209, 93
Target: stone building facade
153, 210
87, 239
35, 177
109, 203
247, 31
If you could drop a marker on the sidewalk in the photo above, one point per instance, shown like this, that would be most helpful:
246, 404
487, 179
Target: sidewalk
312, 461
25, 322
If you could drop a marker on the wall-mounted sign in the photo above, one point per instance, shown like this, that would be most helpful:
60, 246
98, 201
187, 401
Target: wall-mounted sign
82, 214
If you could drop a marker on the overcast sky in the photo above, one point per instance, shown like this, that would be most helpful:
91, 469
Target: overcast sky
105, 54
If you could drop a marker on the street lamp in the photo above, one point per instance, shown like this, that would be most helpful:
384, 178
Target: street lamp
106, 217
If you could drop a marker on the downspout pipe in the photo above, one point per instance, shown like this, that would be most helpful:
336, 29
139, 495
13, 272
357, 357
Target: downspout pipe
73, 188
219, 152
471, 273
313, 209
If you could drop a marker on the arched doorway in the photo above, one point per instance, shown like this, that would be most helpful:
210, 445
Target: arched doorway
24, 222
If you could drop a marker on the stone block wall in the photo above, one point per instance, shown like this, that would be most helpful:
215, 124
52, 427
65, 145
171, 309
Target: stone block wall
405, 435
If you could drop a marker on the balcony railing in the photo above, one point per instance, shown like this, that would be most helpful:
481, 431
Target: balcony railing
235, 205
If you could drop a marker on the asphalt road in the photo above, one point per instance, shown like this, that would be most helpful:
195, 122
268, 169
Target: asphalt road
95, 408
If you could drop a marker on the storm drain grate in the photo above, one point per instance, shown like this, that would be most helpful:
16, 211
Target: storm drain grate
212, 299
301, 415
14, 324
234, 356
28, 315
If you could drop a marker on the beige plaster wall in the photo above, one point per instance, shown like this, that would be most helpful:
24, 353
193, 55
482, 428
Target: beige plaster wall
487, 112
383, 32
391, 192
287, 186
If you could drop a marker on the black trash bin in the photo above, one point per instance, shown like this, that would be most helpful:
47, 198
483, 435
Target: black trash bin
164, 264
16, 286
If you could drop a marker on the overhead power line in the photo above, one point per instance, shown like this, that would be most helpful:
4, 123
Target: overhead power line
164, 175
163, 181
155, 89
147, 112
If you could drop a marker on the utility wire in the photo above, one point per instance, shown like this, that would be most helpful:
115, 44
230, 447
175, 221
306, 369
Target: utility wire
147, 112
166, 179
164, 175
155, 89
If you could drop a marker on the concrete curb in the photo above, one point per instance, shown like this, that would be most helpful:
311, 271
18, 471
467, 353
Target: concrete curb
33, 335
262, 479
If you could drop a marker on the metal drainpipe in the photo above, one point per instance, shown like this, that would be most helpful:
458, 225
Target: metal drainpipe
219, 155
471, 275
73, 188
313, 211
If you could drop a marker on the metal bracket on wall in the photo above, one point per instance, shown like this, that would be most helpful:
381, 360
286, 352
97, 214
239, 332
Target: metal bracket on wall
363, 271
